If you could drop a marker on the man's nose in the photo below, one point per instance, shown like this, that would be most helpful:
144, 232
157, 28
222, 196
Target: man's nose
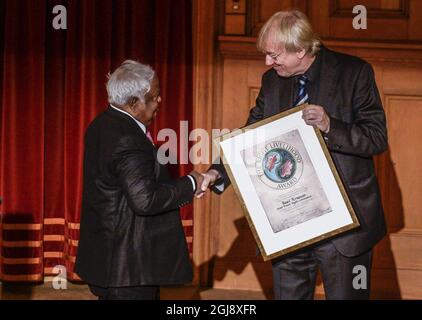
268, 60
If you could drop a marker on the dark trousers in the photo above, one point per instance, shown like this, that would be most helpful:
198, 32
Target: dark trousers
126, 293
294, 277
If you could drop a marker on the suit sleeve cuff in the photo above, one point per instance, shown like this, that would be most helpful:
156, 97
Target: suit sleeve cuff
219, 187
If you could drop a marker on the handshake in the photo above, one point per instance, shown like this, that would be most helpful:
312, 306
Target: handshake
204, 181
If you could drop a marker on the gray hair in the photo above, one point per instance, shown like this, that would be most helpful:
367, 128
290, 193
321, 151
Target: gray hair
131, 80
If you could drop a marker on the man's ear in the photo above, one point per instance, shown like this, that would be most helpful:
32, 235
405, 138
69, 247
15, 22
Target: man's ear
301, 53
132, 102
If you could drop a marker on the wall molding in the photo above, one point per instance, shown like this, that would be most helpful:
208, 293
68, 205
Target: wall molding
232, 47
336, 10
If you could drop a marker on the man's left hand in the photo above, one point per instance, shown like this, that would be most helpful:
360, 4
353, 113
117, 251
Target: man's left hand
315, 115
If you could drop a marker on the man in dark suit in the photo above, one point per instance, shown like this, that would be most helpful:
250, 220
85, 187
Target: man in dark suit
344, 104
131, 235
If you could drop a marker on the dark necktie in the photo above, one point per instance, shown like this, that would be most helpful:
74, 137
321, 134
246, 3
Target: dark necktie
302, 95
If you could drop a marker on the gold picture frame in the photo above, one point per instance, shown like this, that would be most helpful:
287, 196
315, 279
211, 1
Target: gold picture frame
287, 183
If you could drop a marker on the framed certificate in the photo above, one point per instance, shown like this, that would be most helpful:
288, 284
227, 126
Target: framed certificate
287, 183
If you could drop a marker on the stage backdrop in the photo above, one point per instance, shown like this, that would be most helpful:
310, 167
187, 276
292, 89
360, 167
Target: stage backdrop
52, 84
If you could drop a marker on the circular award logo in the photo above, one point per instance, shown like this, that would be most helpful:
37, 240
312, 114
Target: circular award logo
279, 165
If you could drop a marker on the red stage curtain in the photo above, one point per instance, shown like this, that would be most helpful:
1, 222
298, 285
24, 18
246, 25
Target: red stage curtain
52, 84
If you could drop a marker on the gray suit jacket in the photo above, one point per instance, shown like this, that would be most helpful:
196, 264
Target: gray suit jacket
348, 92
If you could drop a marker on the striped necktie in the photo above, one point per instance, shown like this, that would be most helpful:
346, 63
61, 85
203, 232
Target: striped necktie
302, 95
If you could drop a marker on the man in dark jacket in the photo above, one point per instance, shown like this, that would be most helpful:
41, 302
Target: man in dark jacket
131, 236
344, 104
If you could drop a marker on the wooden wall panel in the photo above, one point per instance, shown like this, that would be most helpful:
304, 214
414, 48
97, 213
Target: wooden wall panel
394, 20
261, 10
399, 256
415, 21
207, 24
397, 269
387, 19
237, 264
392, 8
235, 17
405, 128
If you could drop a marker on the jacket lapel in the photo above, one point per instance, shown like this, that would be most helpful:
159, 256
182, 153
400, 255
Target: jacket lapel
328, 81
286, 95
280, 96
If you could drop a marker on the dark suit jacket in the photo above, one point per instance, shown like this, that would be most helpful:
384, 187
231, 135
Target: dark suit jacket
348, 92
131, 232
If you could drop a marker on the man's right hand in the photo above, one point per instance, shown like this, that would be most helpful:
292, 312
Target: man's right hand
199, 178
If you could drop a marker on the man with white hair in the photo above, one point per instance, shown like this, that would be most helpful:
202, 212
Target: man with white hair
344, 104
131, 235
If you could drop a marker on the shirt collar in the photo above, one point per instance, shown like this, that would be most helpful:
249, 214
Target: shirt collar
139, 123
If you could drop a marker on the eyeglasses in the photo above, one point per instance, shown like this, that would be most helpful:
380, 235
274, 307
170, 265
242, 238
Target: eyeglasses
156, 98
274, 55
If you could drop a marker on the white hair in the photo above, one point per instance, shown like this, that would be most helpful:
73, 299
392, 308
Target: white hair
131, 80
291, 28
